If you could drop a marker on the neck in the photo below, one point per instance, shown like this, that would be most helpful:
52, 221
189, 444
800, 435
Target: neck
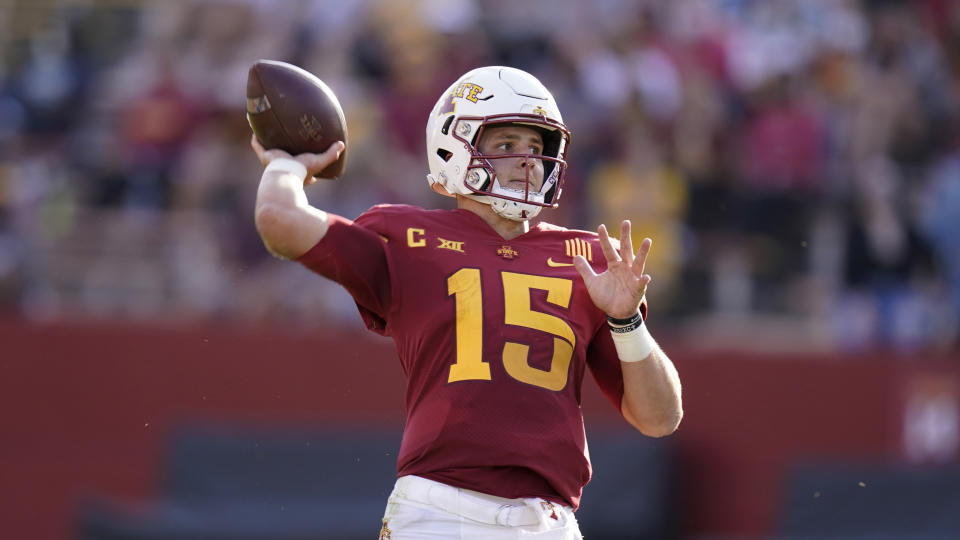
506, 228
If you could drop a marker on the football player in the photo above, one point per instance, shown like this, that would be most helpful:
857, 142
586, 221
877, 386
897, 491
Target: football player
495, 321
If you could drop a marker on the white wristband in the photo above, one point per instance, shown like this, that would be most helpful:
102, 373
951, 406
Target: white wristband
287, 165
635, 345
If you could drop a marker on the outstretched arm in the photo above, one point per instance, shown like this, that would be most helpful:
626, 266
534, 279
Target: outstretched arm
651, 398
288, 225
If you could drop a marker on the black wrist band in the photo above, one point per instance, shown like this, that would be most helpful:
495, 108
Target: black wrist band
625, 329
624, 322
625, 326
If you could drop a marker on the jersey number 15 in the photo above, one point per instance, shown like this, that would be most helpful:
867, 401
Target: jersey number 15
466, 287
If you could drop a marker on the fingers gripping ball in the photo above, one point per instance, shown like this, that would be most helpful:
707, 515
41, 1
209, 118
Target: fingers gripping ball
291, 109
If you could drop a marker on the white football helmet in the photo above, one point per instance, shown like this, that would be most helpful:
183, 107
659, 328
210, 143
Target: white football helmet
486, 96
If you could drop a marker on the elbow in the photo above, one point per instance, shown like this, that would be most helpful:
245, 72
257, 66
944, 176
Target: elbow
274, 227
657, 427
664, 427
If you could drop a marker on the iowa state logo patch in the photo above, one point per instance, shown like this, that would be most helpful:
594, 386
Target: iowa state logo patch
507, 252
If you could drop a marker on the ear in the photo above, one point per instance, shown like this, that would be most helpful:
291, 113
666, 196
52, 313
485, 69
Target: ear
441, 190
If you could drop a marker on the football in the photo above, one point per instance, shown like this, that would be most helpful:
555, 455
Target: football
291, 109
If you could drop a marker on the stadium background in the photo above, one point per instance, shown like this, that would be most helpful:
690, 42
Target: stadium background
797, 163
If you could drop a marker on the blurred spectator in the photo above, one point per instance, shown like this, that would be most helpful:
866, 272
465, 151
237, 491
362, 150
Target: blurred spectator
892, 295
640, 184
778, 164
50, 81
940, 221
155, 126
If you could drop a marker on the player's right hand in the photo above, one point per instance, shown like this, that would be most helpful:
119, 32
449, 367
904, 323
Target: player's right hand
313, 162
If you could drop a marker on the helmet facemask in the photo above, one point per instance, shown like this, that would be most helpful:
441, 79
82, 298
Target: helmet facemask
506, 200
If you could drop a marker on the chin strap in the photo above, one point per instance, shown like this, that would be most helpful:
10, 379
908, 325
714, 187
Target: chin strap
514, 210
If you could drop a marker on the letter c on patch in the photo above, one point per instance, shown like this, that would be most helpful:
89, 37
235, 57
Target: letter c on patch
415, 237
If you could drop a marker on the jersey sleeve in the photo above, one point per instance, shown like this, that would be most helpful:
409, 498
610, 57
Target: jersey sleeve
605, 365
354, 255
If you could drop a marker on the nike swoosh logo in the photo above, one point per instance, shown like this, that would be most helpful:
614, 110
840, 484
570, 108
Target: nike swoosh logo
555, 264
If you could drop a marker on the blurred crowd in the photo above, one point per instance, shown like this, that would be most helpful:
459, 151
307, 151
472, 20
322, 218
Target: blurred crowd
797, 162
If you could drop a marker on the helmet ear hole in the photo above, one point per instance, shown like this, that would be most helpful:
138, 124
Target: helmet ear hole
446, 125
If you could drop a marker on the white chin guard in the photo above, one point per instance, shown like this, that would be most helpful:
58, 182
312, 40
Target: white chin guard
516, 211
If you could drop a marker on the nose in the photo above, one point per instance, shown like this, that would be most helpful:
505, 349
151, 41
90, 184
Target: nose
526, 161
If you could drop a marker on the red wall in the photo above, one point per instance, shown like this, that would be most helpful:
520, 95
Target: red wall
86, 409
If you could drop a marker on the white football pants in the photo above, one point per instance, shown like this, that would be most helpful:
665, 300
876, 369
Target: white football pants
423, 509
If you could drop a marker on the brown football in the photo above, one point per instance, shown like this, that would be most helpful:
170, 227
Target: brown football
291, 109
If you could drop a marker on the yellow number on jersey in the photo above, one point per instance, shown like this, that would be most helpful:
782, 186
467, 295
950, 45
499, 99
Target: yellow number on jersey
516, 299
465, 285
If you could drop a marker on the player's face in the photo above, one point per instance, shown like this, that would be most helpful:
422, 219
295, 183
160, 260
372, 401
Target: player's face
514, 172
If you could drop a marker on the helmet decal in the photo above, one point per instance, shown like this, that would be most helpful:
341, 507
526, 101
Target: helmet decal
449, 107
468, 91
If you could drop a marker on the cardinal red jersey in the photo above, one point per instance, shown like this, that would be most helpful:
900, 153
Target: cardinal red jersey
494, 337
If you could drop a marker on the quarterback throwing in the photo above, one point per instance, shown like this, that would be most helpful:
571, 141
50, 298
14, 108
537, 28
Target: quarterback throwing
495, 321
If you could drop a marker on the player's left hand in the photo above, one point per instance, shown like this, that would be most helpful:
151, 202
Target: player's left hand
620, 288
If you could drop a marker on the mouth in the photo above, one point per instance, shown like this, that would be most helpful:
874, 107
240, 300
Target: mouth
518, 184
